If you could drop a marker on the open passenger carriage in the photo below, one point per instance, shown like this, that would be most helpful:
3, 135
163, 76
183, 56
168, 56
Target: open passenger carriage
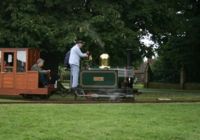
16, 77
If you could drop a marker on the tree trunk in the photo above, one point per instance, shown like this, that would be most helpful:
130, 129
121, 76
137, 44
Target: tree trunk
146, 76
182, 77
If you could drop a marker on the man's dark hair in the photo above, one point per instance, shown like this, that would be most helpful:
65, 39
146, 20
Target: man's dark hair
80, 41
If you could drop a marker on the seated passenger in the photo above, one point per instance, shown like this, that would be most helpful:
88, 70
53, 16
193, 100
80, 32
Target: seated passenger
43, 74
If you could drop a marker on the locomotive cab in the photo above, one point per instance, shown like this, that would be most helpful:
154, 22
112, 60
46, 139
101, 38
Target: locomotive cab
16, 77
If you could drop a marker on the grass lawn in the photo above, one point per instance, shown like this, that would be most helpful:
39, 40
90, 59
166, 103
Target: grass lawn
100, 122
154, 94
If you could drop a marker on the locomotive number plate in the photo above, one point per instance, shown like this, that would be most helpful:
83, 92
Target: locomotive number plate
98, 79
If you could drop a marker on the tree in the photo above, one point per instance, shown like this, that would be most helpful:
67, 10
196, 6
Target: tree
107, 26
181, 48
54, 25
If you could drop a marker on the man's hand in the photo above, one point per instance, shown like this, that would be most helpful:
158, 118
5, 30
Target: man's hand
88, 53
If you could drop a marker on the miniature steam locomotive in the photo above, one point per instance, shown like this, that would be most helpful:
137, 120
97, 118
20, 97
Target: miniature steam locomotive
107, 82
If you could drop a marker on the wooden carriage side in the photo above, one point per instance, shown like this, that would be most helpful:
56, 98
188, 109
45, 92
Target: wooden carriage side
16, 76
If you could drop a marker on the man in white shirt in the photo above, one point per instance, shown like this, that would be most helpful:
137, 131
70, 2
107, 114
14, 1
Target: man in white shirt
74, 61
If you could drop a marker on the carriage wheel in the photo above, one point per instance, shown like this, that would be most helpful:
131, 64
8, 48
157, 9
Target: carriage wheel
44, 97
27, 96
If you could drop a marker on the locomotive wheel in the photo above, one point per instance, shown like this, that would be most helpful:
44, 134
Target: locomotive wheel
61, 93
129, 99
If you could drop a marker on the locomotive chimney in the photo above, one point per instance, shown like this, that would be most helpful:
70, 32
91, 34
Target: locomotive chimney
129, 78
129, 58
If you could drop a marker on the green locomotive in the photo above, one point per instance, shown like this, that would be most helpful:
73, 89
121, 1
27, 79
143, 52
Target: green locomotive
107, 82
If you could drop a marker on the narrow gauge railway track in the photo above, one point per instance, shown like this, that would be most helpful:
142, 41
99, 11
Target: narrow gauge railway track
93, 101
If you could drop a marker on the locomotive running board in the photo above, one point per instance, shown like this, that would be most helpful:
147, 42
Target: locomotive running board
93, 95
108, 95
111, 94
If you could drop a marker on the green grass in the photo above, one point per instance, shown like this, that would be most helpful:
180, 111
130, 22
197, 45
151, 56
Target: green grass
100, 122
154, 94
138, 86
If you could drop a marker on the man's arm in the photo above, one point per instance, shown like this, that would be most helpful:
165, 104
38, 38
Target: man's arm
36, 68
81, 54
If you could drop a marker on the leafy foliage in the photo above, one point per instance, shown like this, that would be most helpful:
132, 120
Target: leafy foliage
54, 25
106, 26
